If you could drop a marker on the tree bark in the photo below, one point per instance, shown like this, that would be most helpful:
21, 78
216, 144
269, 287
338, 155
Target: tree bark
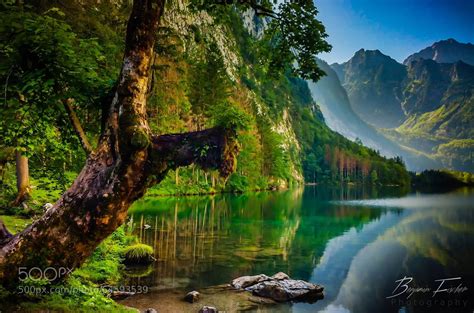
4, 233
22, 178
127, 160
76, 124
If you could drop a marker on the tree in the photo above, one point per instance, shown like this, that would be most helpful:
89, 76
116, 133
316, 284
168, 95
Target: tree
210, 85
374, 177
22, 178
127, 160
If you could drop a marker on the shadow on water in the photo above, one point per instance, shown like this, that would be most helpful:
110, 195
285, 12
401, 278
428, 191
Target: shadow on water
329, 236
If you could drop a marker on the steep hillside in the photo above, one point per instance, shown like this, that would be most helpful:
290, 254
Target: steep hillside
339, 116
445, 51
428, 105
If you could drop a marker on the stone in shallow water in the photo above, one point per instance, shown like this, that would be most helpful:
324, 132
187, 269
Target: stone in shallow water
208, 309
192, 296
245, 281
280, 287
150, 310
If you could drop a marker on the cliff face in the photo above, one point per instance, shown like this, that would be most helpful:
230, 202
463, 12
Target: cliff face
195, 34
287, 137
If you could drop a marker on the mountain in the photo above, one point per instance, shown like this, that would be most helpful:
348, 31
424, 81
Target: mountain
425, 106
439, 101
373, 83
445, 51
336, 108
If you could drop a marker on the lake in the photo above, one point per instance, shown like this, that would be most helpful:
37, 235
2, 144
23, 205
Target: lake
364, 246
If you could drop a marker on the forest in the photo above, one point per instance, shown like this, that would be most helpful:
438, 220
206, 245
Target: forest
211, 104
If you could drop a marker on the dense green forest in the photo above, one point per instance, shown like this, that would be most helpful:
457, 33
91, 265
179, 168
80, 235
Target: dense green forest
59, 66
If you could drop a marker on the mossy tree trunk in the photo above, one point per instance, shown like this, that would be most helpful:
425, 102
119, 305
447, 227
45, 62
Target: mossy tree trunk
128, 159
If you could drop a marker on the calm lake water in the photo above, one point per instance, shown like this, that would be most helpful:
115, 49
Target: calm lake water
357, 243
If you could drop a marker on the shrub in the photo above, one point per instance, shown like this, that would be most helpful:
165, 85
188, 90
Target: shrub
138, 253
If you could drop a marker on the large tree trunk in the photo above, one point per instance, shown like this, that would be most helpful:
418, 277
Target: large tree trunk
22, 178
128, 160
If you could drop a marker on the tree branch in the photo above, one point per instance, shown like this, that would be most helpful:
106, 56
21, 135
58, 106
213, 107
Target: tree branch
261, 10
5, 235
214, 148
76, 124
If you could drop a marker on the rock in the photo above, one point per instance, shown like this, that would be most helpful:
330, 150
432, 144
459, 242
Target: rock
280, 287
118, 295
208, 309
287, 289
280, 276
245, 281
150, 310
192, 296
47, 206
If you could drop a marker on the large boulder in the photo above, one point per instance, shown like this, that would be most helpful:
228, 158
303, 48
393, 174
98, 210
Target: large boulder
279, 287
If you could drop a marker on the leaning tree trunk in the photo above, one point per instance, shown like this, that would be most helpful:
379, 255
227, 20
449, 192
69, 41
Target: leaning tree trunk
127, 160
76, 125
22, 178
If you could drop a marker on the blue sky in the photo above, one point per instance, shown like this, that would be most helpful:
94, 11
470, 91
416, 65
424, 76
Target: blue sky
398, 28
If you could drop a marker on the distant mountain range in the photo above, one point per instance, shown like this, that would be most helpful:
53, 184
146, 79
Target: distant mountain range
445, 51
422, 110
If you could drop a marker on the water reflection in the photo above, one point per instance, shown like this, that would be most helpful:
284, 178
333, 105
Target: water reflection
357, 249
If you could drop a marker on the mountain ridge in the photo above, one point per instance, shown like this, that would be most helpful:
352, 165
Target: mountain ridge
425, 104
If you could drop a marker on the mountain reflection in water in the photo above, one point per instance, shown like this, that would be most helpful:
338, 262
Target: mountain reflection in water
356, 247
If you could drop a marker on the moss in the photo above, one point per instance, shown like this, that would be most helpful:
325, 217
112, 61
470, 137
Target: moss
138, 254
138, 137
15, 224
81, 291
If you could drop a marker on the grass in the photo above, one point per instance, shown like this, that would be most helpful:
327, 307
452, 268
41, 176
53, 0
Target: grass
138, 253
81, 291
15, 223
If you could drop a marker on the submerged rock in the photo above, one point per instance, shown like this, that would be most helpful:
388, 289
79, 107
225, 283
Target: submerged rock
192, 296
208, 309
279, 287
119, 295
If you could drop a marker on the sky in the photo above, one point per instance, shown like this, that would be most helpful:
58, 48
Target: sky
397, 28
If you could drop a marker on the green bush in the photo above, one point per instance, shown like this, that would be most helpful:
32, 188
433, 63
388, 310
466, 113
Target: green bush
138, 253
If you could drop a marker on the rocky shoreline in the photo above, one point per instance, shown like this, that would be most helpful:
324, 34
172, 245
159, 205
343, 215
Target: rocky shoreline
241, 294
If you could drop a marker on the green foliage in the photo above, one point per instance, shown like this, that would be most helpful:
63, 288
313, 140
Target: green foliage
104, 264
374, 177
43, 63
229, 115
296, 38
81, 291
138, 253
15, 224
434, 180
